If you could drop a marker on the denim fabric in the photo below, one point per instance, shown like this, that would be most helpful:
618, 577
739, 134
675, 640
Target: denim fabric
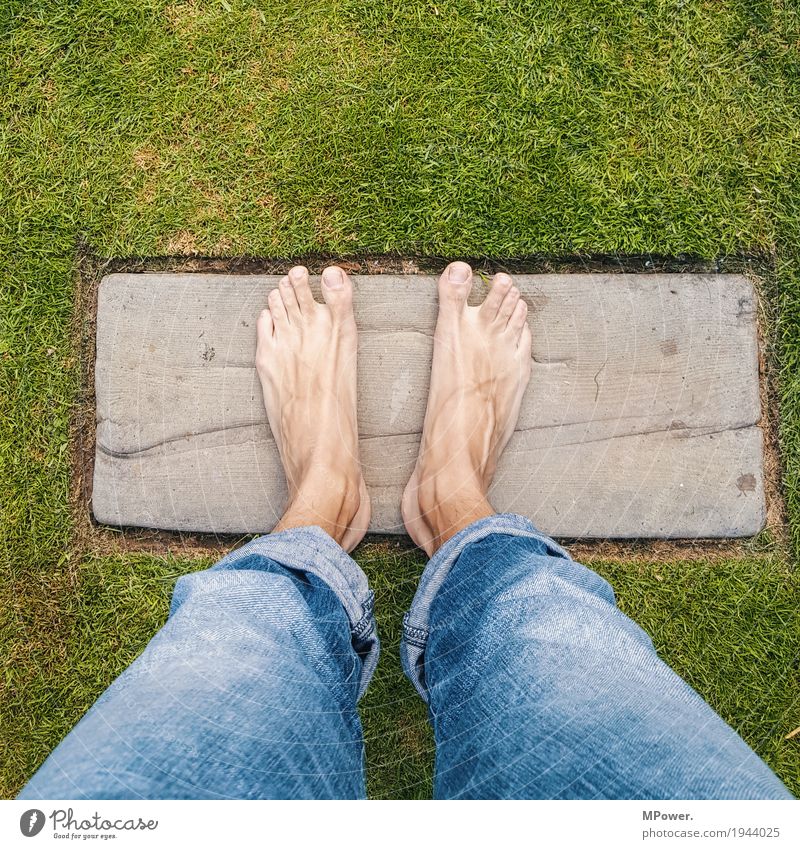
416, 623
538, 687
249, 690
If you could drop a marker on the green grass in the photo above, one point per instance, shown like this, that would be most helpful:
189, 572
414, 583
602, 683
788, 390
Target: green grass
471, 127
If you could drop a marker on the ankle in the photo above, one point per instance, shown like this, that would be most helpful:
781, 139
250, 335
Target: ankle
450, 505
330, 501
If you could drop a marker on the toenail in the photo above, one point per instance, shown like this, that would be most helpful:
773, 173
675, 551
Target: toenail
333, 277
459, 272
296, 273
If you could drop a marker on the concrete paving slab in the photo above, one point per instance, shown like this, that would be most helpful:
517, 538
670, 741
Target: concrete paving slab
641, 419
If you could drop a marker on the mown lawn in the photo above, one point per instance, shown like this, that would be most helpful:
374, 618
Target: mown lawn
498, 128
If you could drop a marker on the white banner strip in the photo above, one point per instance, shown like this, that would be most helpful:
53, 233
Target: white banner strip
344, 825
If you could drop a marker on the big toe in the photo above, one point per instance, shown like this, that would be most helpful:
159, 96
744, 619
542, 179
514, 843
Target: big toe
454, 286
337, 291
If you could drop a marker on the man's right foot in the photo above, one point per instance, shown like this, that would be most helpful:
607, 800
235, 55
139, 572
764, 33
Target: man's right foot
481, 366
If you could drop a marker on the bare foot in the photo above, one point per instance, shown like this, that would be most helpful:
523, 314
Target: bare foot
481, 366
306, 361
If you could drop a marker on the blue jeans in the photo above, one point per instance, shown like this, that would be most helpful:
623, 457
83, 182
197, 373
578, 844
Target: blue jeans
538, 686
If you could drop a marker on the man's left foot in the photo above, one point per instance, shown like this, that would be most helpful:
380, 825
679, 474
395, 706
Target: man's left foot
306, 361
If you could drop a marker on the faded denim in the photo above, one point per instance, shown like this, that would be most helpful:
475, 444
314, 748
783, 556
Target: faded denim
537, 685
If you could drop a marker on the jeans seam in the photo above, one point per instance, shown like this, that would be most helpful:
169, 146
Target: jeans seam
366, 624
412, 632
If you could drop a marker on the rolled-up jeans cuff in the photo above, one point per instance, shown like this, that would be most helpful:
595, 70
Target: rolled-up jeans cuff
416, 623
311, 550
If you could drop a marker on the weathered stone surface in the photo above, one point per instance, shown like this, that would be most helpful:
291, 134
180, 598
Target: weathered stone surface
640, 419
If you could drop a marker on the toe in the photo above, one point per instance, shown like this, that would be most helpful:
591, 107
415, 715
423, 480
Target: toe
265, 327
278, 310
298, 277
337, 291
265, 340
454, 286
501, 283
507, 307
289, 300
525, 343
518, 318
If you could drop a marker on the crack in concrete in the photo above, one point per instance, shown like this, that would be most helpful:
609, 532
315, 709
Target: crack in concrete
677, 433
